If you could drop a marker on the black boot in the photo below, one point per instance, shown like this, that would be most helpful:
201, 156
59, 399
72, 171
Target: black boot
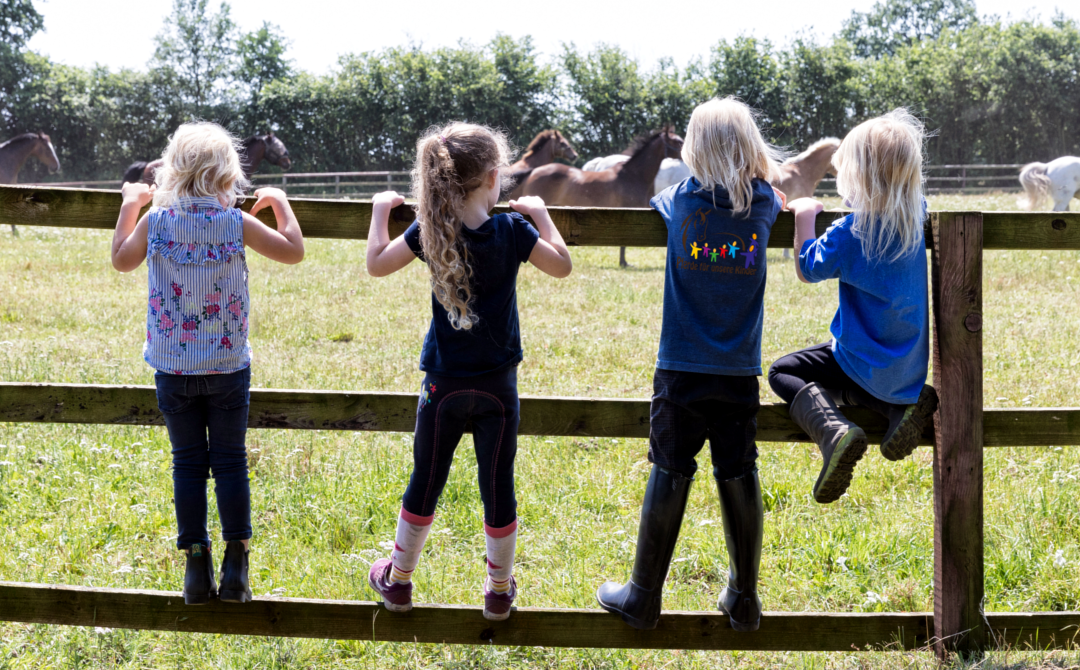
234, 574
661, 517
744, 518
199, 586
906, 422
842, 443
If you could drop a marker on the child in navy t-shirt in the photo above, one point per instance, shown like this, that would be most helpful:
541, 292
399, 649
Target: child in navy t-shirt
879, 352
706, 385
473, 346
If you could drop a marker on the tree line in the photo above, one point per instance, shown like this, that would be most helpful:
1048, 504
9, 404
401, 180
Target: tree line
993, 91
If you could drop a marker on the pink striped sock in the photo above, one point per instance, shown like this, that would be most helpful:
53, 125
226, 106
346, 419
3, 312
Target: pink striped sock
501, 544
412, 532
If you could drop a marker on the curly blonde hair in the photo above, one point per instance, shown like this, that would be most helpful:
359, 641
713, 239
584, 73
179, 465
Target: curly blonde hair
451, 162
724, 147
201, 160
879, 173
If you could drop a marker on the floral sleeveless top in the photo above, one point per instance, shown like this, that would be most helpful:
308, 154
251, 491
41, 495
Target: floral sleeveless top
197, 315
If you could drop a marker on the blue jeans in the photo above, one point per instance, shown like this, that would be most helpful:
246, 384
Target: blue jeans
207, 417
488, 406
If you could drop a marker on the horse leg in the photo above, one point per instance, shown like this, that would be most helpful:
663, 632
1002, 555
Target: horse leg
787, 254
14, 230
622, 258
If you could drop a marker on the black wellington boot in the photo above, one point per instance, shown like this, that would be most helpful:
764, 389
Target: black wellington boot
199, 586
842, 443
639, 600
234, 574
906, 422
744, 519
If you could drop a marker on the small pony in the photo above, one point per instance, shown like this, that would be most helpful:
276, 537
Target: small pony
1059, 179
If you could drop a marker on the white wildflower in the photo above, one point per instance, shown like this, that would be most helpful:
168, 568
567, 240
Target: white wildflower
842, 562
1059, 559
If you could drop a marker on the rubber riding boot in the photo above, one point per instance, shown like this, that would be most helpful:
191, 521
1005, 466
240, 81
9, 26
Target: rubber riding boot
639, 600
906, 422
842, 443
744, 519
199, 586
234, 574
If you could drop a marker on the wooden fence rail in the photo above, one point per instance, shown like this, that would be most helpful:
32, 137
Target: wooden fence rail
396, 412
962, 429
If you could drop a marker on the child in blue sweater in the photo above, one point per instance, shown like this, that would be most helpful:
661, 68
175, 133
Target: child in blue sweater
706, 381
879, 352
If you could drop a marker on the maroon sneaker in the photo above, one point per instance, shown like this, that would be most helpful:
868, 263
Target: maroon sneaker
396, 597
497, 605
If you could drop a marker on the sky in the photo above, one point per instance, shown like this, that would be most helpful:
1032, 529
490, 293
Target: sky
121, 34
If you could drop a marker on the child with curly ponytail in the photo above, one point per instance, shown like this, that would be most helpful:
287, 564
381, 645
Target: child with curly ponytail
473, 345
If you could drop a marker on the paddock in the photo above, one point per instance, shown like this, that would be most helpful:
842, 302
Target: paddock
962, 430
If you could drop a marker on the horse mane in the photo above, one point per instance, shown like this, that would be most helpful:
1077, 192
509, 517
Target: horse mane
24, 137
642, 141
832, 141
542, 138
134, 172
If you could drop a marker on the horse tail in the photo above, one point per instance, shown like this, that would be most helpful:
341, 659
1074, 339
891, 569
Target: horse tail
134, 172
1036, 185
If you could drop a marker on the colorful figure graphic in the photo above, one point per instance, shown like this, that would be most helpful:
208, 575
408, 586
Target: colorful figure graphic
750, 256
706, 256
734, 250
694, 249
723, 252
425, 396
713, 255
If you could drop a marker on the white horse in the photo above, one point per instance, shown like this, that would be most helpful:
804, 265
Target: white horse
672, 170
1059, 179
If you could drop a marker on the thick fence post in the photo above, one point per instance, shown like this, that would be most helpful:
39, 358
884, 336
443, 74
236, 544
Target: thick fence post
958, 449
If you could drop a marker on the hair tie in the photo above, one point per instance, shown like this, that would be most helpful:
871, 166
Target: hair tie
442, 140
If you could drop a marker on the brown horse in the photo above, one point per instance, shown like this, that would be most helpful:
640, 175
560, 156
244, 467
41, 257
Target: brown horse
15, 152
257, 148
628, 184
799, 176
545, 148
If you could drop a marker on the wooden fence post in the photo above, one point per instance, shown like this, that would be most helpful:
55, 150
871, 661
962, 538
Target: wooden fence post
958, 427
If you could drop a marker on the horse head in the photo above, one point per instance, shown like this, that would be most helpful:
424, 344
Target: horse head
673, 144
46, 153
276, 153
695, 225
562, 147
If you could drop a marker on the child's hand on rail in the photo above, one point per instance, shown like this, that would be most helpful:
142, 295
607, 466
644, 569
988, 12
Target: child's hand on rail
783, 197
805, 206
528, 205
138, 193
268, 197
391, 198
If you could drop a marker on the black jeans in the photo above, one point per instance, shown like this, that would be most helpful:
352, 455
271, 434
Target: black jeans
815, 364
207, 417
688, 407
488, 406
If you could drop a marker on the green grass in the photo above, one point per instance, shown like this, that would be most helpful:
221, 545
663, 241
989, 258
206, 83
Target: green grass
91, 505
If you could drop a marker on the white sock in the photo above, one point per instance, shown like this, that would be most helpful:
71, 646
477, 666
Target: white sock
412, 532
501, 543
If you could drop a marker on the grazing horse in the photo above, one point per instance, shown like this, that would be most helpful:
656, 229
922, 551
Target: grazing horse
1059, 179
628, 184
257, 148
672, 170
15, 152
799, 176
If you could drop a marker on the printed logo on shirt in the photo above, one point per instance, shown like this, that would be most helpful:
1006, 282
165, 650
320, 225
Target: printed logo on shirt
723, 252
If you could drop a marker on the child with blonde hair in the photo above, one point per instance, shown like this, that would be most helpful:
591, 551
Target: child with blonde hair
705, 385
473, 345
879, 352
194, 243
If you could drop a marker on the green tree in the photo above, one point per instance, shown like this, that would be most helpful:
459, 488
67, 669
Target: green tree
892, 24
607, 99
261, 58
820, 91
750, 70
19, 21
195, 54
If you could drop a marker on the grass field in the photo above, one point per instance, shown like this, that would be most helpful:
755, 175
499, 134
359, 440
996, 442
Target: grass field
91, 505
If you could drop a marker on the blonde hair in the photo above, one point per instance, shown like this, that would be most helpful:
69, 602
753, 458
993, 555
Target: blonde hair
451, 162
879, 175
724, 147
202, 160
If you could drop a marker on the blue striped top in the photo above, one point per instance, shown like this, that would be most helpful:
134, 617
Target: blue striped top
197, 312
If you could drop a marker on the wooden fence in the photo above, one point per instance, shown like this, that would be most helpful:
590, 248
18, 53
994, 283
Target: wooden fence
940, 179
961, 430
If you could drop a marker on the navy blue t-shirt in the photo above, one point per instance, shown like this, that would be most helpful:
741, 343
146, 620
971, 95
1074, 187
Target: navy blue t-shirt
714, 285
496, 250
